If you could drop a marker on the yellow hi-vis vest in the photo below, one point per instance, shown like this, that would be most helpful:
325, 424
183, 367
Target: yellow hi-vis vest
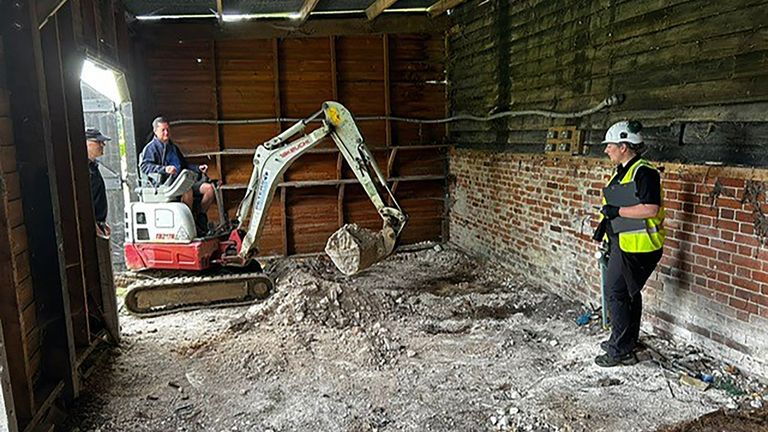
652, 237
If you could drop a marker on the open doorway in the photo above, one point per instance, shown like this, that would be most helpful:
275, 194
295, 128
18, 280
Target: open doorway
107, 107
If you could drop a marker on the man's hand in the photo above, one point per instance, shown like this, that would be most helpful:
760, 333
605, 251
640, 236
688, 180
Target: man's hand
203, 168
170, 169
610, 212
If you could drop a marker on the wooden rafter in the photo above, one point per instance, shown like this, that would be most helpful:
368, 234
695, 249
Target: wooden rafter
306, 9
441, 6
377, 7
220, 10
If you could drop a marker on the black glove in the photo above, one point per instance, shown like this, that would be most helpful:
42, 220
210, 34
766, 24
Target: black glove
610, 212
600, 231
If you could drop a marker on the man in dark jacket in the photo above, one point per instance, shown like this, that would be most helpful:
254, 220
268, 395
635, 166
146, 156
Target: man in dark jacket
162, 156
94, 142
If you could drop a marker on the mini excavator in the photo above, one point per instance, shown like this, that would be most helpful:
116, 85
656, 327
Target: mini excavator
161, 231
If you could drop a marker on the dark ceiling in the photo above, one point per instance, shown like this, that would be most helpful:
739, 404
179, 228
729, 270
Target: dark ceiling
244, 7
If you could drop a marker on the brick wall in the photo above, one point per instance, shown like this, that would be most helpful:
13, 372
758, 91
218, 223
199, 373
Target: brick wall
537, 214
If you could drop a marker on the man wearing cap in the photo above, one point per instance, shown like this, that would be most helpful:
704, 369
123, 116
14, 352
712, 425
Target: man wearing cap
635, 232
162, 156
95, 141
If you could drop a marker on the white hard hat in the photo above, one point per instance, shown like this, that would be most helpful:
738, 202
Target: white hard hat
624, 132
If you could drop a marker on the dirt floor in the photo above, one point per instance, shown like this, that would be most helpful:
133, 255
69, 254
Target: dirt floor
432, 340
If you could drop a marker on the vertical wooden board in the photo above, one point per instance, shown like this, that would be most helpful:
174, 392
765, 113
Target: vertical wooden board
405, 134
18, 239
246, 75
6, 126
362, 98
28, 320
305, 75
78, 305
7, 159
308, 232
195, 138
359, 209
312, 166
24, 293
238, 169
12, 187
374, 133
90, 34
21, 266
5, 103
182, 78
360, 58
271, 241
15, 213
417, 58
414, 162
247, 136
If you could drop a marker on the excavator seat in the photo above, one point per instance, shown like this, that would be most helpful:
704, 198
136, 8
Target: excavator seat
153, 192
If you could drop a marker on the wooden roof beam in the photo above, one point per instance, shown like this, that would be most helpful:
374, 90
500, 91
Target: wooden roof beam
220, 10
306, 9
377, 7
441, 6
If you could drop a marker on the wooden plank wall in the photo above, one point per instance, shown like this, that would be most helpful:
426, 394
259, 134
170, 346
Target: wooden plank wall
51, 297
681, 64
17, 304
267, 78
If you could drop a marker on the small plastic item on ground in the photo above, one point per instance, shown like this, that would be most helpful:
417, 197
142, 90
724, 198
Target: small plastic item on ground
584, 318
693, 382
707, 378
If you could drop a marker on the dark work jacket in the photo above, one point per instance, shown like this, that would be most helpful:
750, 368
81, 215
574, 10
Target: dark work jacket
98, 192
154, 158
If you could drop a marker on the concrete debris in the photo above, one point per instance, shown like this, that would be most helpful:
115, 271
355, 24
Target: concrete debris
432, 340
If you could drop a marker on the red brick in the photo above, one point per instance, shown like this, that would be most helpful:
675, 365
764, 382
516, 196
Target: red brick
729, 203
732, 182
742, 294
721, 287
707, 211
701, 250
727, 225
743, 272
760, 276
726, 214
747, 262
726, 235
725, 246
737, 303
747, 228
744, 216
746, 283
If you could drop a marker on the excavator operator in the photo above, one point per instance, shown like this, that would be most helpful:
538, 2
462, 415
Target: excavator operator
162, 156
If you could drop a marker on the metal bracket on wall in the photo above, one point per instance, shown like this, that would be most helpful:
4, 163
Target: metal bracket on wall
563, 141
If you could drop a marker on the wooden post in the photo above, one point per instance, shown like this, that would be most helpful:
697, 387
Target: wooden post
387, 103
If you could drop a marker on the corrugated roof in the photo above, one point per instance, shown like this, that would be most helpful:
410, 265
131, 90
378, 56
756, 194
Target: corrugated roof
247, 7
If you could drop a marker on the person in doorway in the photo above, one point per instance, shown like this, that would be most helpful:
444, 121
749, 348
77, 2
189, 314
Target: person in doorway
162, 156
95, 142
635, 234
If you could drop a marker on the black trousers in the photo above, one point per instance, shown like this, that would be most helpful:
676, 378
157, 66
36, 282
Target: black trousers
624, 279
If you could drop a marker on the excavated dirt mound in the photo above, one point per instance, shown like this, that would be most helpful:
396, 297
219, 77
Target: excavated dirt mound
432, 340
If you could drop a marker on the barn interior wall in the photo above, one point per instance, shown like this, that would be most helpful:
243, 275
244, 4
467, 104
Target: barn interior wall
220, 73
694, 73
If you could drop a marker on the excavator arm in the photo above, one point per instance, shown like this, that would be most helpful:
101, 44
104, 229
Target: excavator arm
274, 157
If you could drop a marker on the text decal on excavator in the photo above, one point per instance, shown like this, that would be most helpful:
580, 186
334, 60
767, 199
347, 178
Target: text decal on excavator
165, 236
291, 150
263, 190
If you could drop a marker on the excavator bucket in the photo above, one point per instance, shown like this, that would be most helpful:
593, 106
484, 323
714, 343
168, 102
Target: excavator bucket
353, 248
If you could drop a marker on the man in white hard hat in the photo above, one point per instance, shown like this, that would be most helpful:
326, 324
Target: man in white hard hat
632, 218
